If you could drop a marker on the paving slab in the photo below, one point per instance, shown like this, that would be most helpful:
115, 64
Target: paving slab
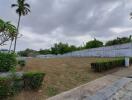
109, 91
123, 94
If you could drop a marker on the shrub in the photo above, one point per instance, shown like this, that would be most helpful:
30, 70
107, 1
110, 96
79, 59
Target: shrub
9, 86
7, 62
130, 60
33, 80
22, 63
102, 66
5, 89
17, 85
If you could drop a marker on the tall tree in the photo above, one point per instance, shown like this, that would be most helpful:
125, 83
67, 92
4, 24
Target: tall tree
22, 9
7, 31
12, 32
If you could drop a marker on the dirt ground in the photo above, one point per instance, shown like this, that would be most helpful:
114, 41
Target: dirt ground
62, 74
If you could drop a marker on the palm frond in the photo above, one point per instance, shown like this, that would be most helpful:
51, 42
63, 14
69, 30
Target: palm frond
14, 5
27, 5
28, 10
131, 15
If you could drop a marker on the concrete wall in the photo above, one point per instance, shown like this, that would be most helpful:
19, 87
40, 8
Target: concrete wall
109, 51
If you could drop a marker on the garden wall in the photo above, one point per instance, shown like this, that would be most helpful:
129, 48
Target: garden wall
109, 51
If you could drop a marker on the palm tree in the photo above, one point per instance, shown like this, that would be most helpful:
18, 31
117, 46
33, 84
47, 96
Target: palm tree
22, 9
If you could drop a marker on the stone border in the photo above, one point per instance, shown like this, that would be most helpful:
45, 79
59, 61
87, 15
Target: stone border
9, 74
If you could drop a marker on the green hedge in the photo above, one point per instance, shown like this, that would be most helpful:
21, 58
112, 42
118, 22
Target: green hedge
130, 60
7, 62
5, 88
106, 65
22, 63
33, 80
9, 87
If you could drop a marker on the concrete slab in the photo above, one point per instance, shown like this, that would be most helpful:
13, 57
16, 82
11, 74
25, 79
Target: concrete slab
110, 90
123, 94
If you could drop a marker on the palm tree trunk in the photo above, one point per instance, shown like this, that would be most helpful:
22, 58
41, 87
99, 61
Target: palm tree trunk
10, 46
17, 33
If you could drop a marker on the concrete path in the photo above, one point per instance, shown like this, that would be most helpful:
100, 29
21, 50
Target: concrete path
124, 94
107, 92
109, 84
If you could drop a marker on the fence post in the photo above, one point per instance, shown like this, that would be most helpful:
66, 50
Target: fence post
127, 62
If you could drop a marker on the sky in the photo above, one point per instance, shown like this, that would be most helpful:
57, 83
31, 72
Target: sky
69, 21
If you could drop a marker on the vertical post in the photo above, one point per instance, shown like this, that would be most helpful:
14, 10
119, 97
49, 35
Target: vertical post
127, 63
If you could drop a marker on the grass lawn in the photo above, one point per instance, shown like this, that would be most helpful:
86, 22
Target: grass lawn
62, 74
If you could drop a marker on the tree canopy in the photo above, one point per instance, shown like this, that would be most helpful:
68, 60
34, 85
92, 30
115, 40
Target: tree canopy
7, 31
119, 41
94, 44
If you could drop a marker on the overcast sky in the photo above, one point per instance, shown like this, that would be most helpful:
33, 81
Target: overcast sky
69, 21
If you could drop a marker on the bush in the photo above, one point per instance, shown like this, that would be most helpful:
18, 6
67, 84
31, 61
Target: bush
5, 89
130, 60
9, 86
22, 63
102, 66
33, 80
17, 85
7, 62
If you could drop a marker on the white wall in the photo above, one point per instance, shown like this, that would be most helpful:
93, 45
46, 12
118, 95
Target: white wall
109, 51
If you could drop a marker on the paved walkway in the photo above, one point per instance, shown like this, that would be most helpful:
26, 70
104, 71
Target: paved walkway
123, 94
110, 90
105, 86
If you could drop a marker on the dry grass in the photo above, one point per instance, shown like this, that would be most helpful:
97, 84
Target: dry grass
62, 74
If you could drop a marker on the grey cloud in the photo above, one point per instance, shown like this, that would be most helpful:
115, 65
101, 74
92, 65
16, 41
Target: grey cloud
75, 18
